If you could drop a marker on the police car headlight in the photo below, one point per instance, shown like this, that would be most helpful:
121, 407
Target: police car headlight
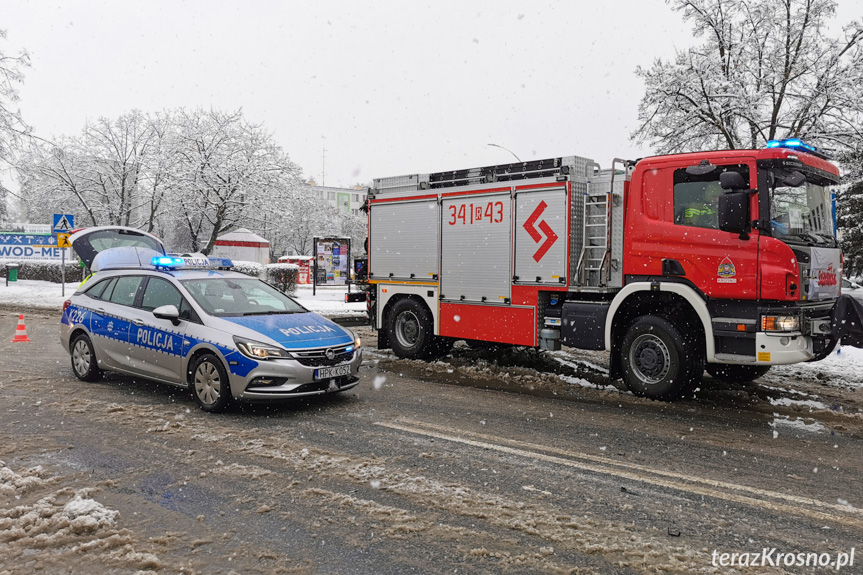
258, 350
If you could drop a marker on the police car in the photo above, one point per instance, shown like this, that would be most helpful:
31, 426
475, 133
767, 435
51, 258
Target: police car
191, 323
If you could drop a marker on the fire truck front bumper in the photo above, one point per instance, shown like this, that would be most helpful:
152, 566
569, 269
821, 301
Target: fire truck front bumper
783, 348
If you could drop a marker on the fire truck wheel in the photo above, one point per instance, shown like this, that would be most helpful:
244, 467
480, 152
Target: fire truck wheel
736, 373
410, 330
657, 362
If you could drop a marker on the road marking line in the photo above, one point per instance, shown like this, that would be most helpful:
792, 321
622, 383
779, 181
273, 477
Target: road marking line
696, 485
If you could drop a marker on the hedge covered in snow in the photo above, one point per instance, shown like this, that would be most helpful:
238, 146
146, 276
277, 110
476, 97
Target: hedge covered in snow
283, 276
44, 270
253, 269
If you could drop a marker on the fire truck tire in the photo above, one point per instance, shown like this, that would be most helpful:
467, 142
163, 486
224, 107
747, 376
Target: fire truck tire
656, 360
410, 330
736, 373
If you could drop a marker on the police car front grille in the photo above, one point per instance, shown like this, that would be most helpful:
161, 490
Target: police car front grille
318, 357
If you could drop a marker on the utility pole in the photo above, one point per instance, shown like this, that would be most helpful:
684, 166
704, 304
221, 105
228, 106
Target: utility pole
324, 168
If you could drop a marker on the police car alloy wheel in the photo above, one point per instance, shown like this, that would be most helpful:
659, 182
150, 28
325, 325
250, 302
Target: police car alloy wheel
83, 357
210, 383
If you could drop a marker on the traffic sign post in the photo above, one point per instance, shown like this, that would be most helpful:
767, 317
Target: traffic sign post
63, 226
62, 263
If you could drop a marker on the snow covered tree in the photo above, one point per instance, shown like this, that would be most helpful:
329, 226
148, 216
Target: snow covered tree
766, 70
232, 172
306, 217
109, 174
12, 126
849, 203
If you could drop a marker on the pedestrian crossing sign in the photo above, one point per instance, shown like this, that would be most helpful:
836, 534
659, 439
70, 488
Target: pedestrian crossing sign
64, 223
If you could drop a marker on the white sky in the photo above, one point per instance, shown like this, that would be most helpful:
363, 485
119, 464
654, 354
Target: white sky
387, 88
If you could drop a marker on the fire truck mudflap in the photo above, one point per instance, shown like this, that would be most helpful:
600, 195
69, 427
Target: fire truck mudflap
847, 321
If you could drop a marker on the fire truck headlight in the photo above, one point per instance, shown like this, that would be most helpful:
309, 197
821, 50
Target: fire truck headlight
780, 323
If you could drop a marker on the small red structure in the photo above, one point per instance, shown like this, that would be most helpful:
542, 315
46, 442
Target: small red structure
305, 263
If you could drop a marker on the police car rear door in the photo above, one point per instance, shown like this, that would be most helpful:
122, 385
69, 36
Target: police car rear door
109, 323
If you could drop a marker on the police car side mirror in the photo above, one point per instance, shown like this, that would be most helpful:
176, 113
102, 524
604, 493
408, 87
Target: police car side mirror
734, 213
169, 312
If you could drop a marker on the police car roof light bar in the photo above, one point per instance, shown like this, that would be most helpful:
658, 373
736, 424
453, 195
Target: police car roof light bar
166, 262
199, 261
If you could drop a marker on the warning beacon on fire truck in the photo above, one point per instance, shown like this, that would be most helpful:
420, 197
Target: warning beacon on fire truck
725, 261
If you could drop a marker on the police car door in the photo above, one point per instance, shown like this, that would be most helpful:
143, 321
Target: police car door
109, 323
155, 344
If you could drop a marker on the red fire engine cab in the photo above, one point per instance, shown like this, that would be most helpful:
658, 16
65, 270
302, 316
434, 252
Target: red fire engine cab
725, 261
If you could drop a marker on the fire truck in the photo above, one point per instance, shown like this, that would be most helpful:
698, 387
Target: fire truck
721, 260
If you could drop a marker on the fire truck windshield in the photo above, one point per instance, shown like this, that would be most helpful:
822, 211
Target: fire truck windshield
801, 210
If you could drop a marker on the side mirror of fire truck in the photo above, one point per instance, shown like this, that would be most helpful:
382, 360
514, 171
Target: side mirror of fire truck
734, 213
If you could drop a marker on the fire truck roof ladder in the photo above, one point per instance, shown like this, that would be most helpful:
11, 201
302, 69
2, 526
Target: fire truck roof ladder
499, 173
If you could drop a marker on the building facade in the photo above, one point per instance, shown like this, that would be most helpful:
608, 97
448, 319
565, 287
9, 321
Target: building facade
346, 200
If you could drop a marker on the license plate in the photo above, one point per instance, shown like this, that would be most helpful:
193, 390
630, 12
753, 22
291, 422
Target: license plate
335, 371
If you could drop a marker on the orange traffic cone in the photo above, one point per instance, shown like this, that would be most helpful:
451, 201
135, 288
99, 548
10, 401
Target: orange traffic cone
21, 330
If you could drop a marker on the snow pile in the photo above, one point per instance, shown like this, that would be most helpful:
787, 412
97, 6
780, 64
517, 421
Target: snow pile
842, 368
67, 522
88, 515
13, 484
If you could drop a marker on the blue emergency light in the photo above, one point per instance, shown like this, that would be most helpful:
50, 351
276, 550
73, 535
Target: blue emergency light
796, 144
194, 262
166, 262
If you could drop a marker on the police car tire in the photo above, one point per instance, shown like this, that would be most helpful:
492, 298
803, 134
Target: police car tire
83, 357
204, 370
657, 362
410, 330
736, 373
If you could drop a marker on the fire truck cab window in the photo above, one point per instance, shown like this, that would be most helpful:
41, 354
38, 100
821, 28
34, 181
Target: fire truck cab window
696, 197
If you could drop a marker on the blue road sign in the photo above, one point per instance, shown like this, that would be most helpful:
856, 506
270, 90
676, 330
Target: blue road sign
63, 223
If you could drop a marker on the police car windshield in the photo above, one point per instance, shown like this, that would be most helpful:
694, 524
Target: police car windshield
239, 297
